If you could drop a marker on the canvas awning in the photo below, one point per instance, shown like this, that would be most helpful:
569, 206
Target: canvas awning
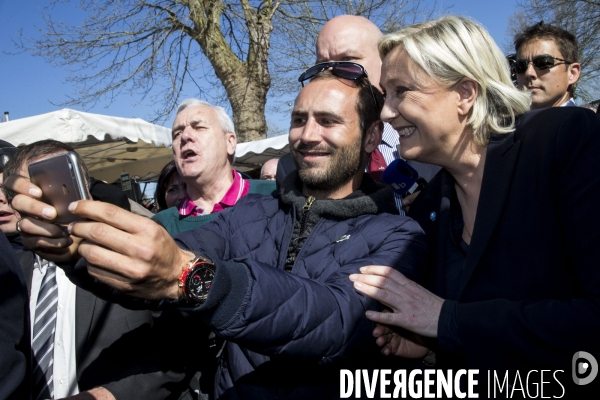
108, 145
254, 154
111, 146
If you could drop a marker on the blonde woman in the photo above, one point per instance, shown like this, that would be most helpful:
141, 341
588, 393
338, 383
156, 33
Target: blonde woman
511, 219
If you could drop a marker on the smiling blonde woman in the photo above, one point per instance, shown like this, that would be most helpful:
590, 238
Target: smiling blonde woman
511, 218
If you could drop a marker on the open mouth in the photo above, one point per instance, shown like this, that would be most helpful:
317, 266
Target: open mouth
5, 215
188, 154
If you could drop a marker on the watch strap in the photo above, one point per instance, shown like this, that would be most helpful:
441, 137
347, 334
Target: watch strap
193, 263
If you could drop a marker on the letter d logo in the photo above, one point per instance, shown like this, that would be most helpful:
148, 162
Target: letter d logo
584, 363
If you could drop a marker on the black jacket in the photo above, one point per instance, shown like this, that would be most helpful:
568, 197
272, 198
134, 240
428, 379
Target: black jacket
529, 297
112, 346
289, 333
15, 347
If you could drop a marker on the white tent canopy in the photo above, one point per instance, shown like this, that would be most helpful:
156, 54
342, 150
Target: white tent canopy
250, 155
108, 145
70, 126
111, 146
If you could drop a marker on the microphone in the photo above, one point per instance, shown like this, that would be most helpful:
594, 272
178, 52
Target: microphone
403, 178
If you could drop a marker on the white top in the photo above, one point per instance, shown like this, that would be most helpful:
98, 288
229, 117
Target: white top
65, 369
568, 103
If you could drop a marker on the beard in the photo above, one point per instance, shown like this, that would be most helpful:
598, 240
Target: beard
344, 163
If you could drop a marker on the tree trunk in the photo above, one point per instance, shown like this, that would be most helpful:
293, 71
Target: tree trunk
246, 82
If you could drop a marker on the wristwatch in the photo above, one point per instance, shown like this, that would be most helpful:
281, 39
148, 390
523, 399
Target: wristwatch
196, 279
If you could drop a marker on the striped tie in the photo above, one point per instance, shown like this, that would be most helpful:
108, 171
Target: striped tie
44, 326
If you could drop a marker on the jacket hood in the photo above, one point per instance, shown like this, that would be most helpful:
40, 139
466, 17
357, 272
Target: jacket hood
370, 198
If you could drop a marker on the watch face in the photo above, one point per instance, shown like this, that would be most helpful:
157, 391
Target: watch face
199, 281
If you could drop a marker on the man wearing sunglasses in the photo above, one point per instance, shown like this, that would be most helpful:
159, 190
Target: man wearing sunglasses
546, 65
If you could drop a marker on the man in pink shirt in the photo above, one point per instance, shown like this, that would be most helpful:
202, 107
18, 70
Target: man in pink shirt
204, 144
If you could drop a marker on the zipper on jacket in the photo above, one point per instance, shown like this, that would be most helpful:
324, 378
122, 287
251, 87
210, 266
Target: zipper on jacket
290, 261
305, 210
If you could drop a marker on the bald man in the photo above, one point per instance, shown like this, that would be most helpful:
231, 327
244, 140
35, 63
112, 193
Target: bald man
269, 169
351, 38
354, 38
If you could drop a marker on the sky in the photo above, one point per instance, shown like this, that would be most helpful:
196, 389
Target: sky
30, 85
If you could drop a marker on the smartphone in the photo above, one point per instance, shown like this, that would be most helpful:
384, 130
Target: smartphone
62, 182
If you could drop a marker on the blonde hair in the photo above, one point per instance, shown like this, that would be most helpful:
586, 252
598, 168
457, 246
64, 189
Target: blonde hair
451, 48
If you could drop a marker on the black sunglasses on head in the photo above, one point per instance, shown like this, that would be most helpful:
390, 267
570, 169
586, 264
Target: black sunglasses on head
539, 62
341, 69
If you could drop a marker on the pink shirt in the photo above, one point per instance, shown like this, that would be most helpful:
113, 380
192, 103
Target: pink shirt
239, 188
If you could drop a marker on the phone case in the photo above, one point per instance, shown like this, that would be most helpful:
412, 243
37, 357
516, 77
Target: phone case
62, 182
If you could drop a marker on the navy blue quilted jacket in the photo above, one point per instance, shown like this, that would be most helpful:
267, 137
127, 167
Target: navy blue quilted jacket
288, 334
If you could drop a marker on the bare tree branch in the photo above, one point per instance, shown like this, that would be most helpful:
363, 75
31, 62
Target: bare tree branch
160, 49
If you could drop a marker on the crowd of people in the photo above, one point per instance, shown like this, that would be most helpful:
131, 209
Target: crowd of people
262, 289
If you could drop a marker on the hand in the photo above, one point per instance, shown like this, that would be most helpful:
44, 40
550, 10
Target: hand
131, 253
98, 393
413, 307
408, 200
399, 342
38, 233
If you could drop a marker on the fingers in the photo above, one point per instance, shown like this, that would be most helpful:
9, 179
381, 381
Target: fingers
57, 252
118, 271
40, 243
143, 247
384, 318
384, 337
381, 330
386, 297
385, 271
386, 350
34, 227
414, 307
417, 314
383, 284
145, 265
403, 344
389, 342
382, 271
108, 266
408, 200
27, 199
131, 275
35, 208
111, 215
368, 283
22, 185
102, 234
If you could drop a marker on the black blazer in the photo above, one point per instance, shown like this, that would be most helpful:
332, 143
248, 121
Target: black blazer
112, 345
15, 348
530, 291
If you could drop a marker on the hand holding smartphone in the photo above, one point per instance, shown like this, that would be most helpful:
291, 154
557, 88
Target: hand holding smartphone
62, 181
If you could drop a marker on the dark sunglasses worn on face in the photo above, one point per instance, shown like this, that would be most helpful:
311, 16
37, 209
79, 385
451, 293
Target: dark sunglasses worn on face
341, 69
539, 62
